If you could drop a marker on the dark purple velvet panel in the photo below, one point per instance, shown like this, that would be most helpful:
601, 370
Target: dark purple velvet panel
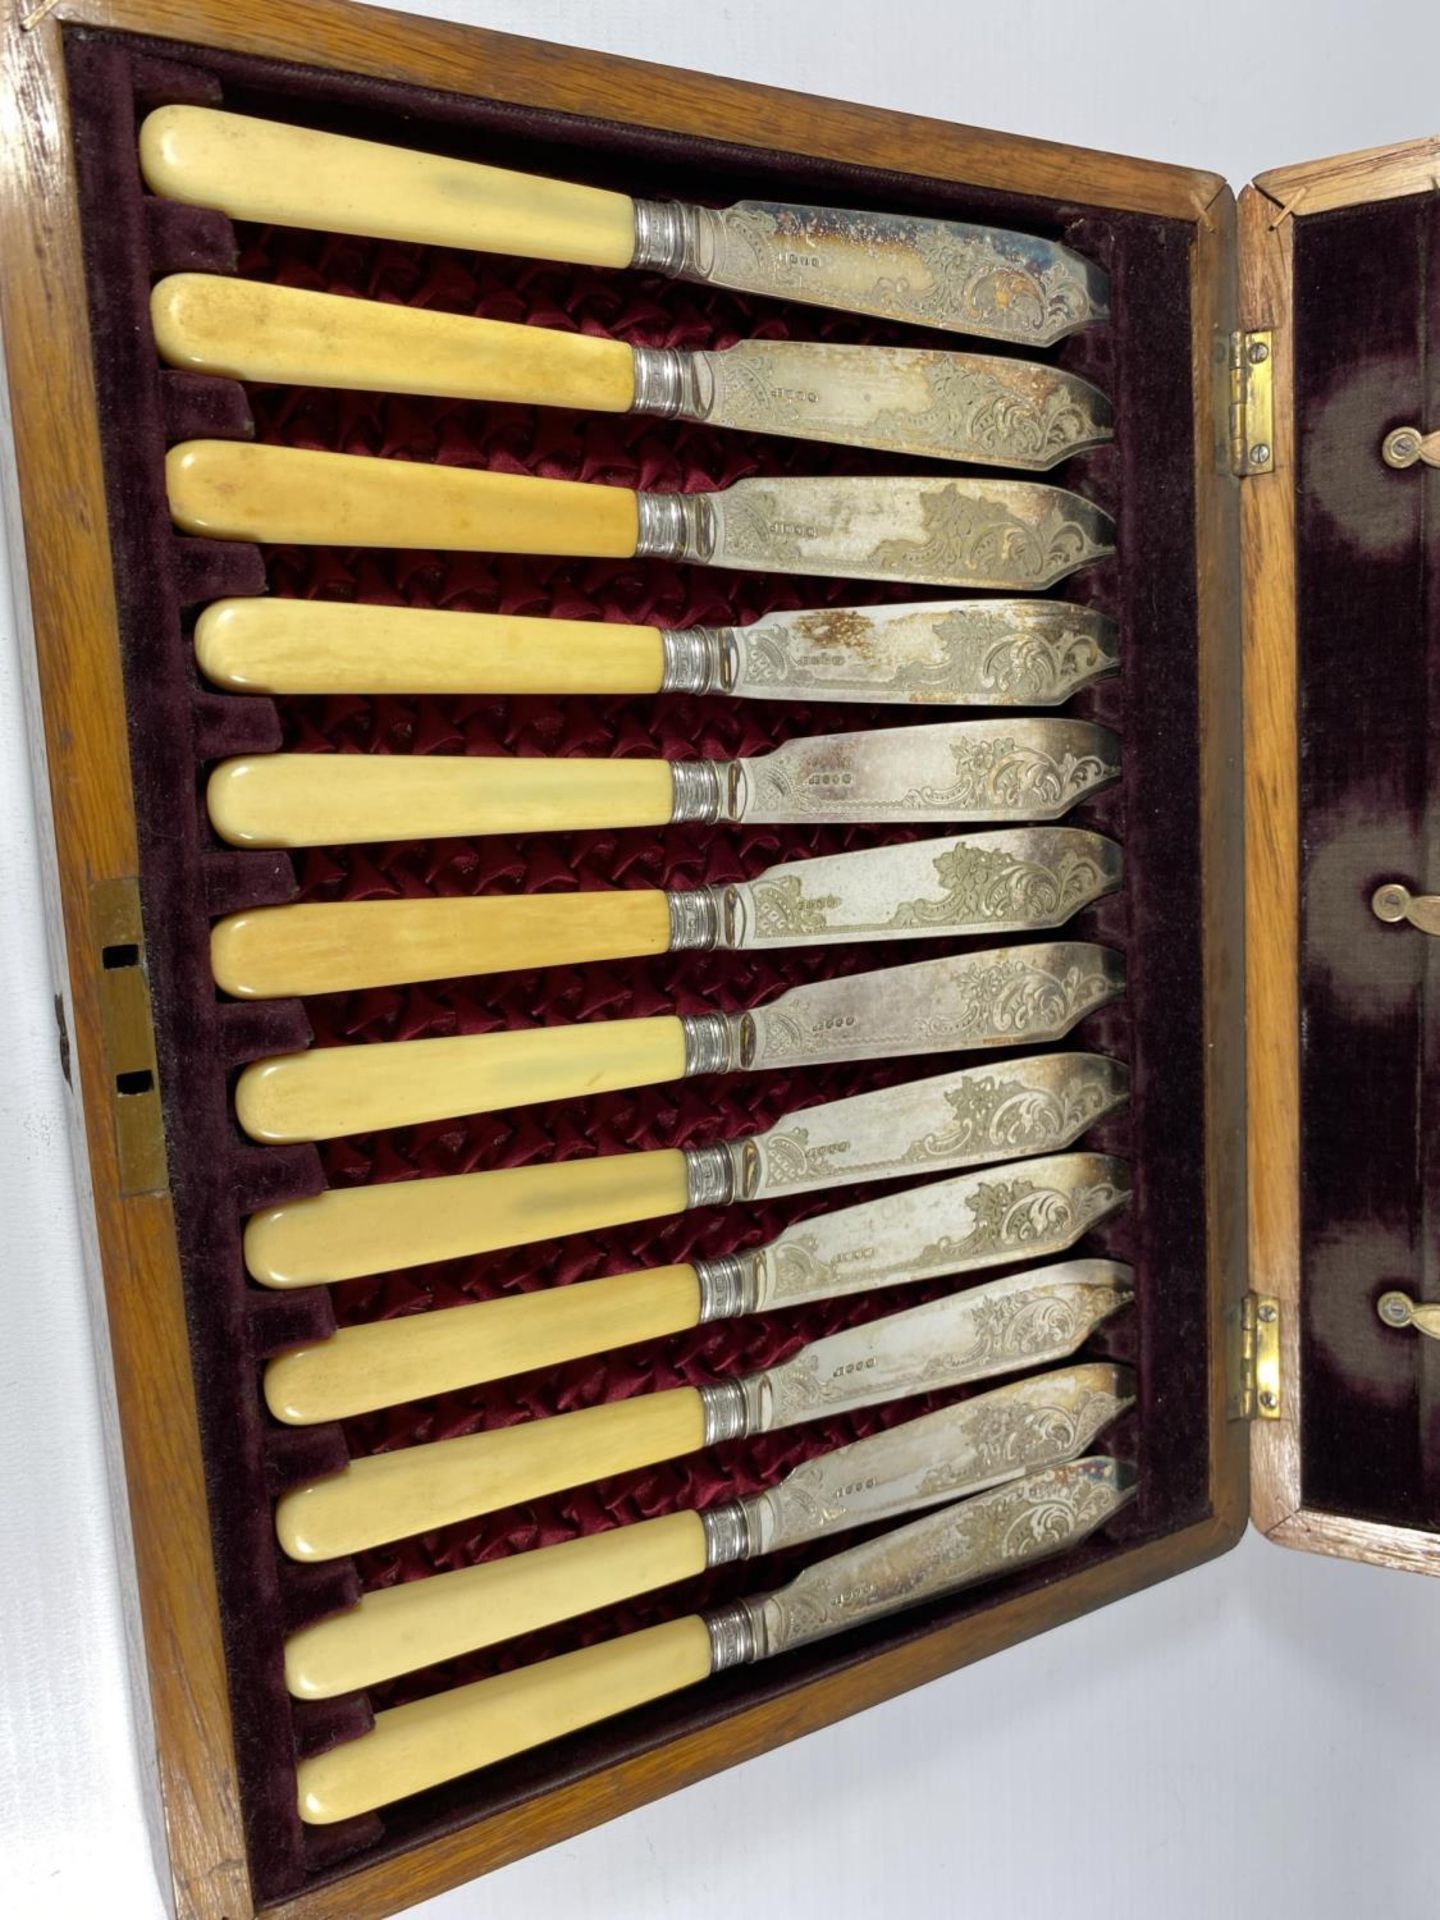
1367, 297
1143, 360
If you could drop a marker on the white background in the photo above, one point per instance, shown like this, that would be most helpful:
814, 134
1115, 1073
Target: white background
1258, 1737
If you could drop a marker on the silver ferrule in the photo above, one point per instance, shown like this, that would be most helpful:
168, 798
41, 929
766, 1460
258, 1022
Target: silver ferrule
709, 1177
696, 918
672, 384
665, 236
727, 1287
731, 1409
736, 1636
712, 1043
699, 660
727, 1533
697, 791
675, 526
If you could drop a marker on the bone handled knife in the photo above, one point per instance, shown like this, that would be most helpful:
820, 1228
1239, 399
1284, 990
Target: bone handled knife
1027, 1211
963, 653
1017, 536
933, 273
1037, 1105
1002, 1326
946, 406
959, 770
1021, 880
997, 1436
429, 1741
1002, 997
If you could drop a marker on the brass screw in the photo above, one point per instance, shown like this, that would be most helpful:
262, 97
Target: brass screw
1269, 1399
1258, 352
1267, 1314
1260, 453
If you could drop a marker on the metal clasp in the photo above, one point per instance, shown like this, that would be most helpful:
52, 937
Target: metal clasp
1394, 902
1406, 445
1398, 1309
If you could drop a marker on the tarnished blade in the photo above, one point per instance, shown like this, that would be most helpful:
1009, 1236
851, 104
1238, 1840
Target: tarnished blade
981, 653
934, 273
993, 1437
949, 406
993, 1533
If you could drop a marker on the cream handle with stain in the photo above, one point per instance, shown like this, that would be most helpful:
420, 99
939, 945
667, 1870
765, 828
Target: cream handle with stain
263, 645
429, 1741
420, 1622
294, 177
349, 1231
385, 1362
238, 490
388, 1496
328, 1091
349, 799
291, 337
272, 952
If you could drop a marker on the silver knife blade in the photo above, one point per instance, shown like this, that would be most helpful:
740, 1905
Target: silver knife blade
1017, 536
1025, 1520
947, 406
999, 1327
979, 883
1002, 997
997, 1436
932, 273
1014, 1212
971, 653
1032, 1106
958, 770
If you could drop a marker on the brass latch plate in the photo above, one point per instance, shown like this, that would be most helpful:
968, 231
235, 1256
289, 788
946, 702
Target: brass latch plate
129, 1034
1255, 1387
1252, 401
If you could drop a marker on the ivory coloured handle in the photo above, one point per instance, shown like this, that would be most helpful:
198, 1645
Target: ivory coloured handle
345, 799
407, 1223
295, 177
274, 951
385, 1362
449, 1734
388, 1496
264, 645
328, 1091
236, 490
292, 337
396, 1629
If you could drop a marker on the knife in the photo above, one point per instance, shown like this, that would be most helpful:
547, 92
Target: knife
1018, 881
980, 1220
1003, 997
971, 1118
431, 1740
997, 1436
963, 653
959, 770
932, 273
998, 1327
948, 406
1013, 535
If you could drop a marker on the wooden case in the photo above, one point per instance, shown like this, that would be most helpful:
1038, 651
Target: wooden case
87, 783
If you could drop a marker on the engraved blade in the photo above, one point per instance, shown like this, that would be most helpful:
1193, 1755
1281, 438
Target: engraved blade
994, 1437
941, 1227
1003, 997
1013, 1525
934, 273
981, 653
956, 771
1017, 536
948, 406
979, 883
979, 1115
1003, 1326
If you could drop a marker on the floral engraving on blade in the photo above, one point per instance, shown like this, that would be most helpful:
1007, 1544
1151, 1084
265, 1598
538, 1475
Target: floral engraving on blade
1009, 1219
1022, 414
987, 778
986, 885
977, 539
1032, 662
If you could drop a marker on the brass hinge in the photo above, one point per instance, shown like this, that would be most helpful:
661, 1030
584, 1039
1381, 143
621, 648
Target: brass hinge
129, 1034
1252, 402
1255, 1391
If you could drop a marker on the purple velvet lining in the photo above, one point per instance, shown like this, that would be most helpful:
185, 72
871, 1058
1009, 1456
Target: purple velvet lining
1144, 361
1367, 280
